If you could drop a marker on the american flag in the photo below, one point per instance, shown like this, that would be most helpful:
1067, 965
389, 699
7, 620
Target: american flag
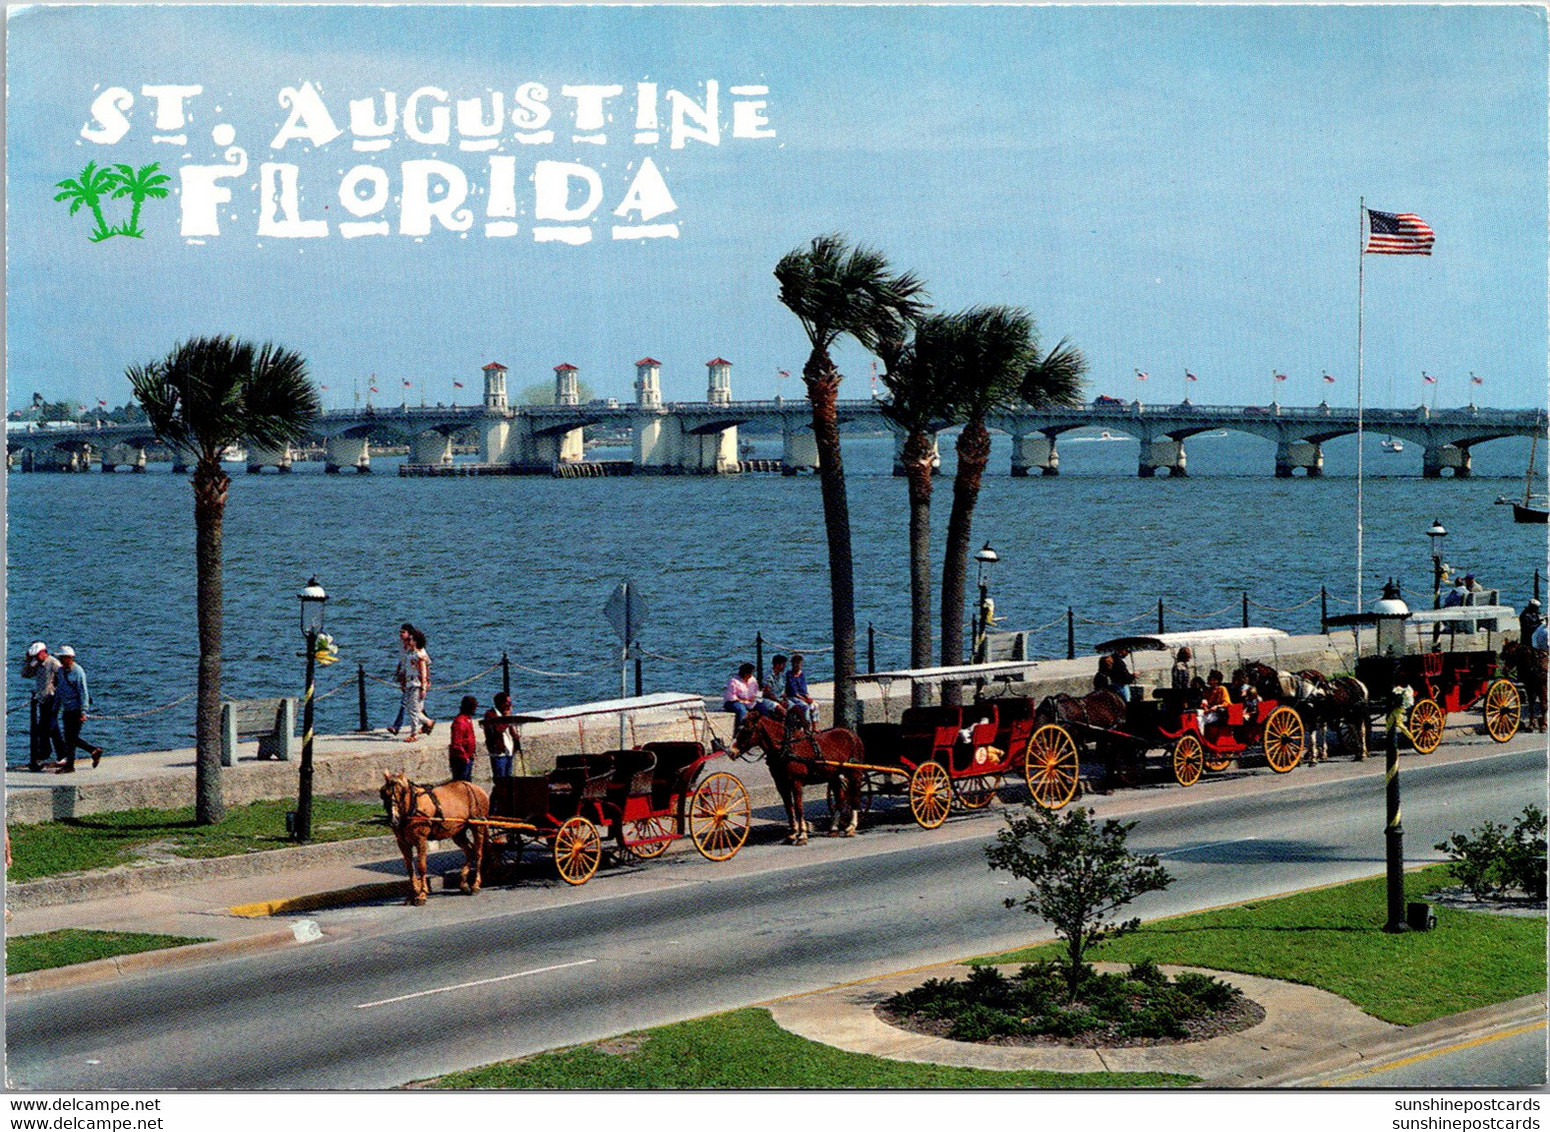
1280, 377
1403, 233
457, 385
1189, 376
407, 382
1329, 379
1473, 380
783, 372
374, 389
100, 401
1428, 378
1140, 375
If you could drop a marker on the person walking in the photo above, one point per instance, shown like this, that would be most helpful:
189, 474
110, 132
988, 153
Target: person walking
43, 670
501, 740
414, 677
72, 698
741, 694
460, 756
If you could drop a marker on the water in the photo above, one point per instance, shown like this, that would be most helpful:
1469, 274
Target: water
105, 563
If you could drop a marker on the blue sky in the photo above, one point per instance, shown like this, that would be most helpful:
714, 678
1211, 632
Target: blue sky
1168, 187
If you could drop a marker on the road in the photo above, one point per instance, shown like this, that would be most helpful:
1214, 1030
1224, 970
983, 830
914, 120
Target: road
1510, 1058
396, 994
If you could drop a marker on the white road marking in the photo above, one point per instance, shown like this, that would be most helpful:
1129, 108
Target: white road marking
1203, 845
475, 983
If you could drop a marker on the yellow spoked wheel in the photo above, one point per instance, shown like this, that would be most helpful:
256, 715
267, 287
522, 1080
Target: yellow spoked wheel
1425, 724
976, 793
1051, 766
720, 816
1188, 760
1503, 710
931, 795
646, 838
578, 849
1283, 739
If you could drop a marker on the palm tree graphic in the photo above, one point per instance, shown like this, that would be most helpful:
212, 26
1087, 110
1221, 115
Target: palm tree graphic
89, 190
138, 185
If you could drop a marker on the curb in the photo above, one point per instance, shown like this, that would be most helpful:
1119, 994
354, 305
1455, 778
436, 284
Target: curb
120, 966
1420, 1038
314, 901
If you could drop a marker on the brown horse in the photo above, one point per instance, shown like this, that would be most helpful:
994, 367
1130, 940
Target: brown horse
805, 757
418, 814
1106, 711
1529, 667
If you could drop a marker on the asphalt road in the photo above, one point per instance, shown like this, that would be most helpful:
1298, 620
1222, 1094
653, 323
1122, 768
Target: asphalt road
1513, 1058
396, 994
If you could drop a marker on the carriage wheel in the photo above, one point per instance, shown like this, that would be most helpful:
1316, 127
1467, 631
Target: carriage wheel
720, 816
1503, 710
578, 848
1425, 724
1282, 739
1188, 760
931, 795
976, 793
1051, 766
646, 838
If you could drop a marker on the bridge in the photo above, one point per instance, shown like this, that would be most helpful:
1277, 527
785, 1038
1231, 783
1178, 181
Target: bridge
700, 437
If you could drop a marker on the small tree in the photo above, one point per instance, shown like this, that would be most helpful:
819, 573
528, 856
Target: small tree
1081, 874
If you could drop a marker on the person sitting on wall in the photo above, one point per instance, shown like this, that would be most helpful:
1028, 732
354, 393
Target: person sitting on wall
741, 695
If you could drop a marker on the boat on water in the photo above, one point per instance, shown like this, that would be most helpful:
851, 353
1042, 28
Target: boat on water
1529, 511
1393, 444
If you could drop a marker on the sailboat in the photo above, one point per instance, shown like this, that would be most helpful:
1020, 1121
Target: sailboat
1527, 512
1393, 444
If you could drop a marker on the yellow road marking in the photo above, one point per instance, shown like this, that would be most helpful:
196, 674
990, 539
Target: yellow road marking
1438, 1052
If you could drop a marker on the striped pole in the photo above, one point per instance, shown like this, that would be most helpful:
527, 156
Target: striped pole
304, 801
1394, 836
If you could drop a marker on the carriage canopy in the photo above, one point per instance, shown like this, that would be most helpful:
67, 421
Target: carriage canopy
1195, 638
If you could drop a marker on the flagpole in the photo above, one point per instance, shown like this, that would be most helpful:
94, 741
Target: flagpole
1361, 263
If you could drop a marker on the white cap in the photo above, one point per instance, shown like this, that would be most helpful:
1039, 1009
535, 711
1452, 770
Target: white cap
65, 651
36, 647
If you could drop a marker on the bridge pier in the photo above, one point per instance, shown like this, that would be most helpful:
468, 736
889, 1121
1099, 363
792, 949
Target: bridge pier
129, 455
1294, 454
342, 452
1435, 458
277, 458
798, 451
1035, 451
431, 448
1162, 454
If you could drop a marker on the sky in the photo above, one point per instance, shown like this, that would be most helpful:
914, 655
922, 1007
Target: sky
1169, 188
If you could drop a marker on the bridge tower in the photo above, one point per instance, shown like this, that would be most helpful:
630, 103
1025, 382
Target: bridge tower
648, 383
495, 387
567, 387
718, 389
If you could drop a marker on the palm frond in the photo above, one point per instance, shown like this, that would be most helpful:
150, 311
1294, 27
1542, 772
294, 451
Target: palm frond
1055, 380
280, 401
836, 289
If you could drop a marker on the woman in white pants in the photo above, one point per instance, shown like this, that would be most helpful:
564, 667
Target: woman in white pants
414, 677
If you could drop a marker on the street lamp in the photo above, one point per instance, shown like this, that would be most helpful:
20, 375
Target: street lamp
985, 617
1391, 612
313, 599
1437, 532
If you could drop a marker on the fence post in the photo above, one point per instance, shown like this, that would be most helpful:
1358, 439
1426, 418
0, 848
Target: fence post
32, 733
1245, 609
637, 672
1161, 628
1536, 581
360, 694
1070, 633
505, 673
1323, 610
871, 648
758, 655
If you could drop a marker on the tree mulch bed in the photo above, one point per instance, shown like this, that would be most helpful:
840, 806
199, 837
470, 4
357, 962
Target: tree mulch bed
1243, 1014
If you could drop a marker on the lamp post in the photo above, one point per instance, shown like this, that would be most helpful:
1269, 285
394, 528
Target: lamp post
1437, 532
312, 599
1391, 612
987, 558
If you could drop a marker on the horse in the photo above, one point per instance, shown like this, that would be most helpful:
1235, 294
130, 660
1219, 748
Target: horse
1529, 667
1306, 689
797, 758
418, 814
1103, 709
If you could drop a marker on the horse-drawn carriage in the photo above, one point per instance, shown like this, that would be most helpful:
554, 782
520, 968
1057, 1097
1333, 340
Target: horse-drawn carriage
1447, 682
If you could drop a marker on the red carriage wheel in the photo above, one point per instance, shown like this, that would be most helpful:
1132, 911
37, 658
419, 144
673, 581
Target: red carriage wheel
1503, 710
977, 792
1425, 724
1051, 766
1282, 739
1188, 760
578, 848
720, 816
931, 795
645, 838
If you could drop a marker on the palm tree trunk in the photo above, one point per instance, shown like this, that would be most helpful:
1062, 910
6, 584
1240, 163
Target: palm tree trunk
134, 217
917, 467
823, 389
973, 456
210, 487
102, 225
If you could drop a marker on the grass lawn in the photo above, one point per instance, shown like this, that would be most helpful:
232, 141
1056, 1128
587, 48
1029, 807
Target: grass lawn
100, 841
745, 1049
77, 945
1333, 939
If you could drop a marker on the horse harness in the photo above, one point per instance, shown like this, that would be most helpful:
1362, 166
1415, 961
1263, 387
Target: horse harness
412, 813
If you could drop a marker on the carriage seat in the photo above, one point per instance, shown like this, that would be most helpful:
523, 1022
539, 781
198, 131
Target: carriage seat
676, 761
520, 796
632, 774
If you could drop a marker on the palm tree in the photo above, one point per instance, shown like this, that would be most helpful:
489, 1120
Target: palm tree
206, 395
998, 348
138, 185
835, 290
922, 381
89, 189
